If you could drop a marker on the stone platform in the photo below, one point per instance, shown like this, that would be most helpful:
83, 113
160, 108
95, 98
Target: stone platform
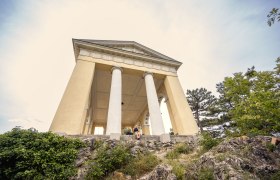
173, 138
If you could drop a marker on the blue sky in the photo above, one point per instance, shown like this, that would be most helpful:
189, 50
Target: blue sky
213, 39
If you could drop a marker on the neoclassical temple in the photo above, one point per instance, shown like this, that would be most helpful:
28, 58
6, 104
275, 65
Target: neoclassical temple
118, 84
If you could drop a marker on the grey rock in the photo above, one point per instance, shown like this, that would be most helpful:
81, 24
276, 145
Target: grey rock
162, 171
239, 158
79, 162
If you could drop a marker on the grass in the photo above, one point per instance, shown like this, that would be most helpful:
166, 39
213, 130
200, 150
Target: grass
178, 169
140, 165
180, 148
206, 174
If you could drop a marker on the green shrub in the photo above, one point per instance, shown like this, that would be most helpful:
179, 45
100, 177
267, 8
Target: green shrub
27, 154
180, 148
108, 160
178, 169
140, 165
97, 144
207, 141
172, 154
183, 148
221, 157
270, 147
206, 174
275, 176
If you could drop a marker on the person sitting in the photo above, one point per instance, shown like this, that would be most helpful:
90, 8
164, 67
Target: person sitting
137, 133
135, 130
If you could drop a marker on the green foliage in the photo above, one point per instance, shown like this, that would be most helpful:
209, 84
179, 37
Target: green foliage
275, 176
201, 101
97, 144
27, 154
206, 174
221, 157
274, 15
270, 147
207, 141
107, 160
172, 154
127, 131
249, 101
140, 165
178, 169
255, 101
181, 148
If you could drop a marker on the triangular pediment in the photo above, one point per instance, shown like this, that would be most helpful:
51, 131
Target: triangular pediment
129, 46
133, 49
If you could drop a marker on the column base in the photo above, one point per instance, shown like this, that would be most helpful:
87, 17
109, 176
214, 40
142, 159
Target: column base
116, 136
165, 138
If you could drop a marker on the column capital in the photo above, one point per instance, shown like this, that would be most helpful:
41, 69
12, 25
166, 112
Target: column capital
116, 67
147, 73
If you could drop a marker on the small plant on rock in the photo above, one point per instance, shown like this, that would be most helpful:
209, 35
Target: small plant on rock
140, 165
178, 169
183, 148
206, 174
207, 141
108, 160
180, 148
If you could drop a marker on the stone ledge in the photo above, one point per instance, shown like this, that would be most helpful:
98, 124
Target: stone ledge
173, 138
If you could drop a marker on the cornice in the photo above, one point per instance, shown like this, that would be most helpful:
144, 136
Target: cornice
114, 44
96, 50
126, 60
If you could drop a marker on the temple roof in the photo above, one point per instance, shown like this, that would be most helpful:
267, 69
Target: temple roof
128, 46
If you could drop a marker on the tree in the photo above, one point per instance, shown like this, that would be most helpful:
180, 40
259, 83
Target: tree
201, 102
254, 100
274, 15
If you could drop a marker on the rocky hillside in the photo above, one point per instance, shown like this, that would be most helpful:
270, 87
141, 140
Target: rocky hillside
239, 158
236, 158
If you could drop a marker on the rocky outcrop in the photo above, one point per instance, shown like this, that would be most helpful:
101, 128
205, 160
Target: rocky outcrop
235, 159
150, 144
162, 171
239, 158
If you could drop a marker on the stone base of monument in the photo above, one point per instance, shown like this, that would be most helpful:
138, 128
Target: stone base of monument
165, 138
116, 136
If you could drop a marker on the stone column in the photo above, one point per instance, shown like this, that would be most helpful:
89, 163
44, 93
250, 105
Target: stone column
115, 103
173, 122
145, 124
70, 115
154, 110
179, 108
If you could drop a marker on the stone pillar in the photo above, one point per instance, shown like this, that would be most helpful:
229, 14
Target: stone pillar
179, 108
173, 122
105, 130
92, 129
154, 110
115, 103
70, 115
146, 129
145, 124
